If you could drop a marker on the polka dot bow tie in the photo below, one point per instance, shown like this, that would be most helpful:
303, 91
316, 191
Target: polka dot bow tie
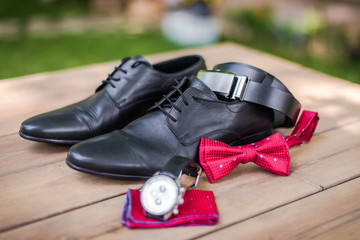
272, 153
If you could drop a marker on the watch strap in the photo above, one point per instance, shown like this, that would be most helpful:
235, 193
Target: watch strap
174, 166
189, 170
160, 218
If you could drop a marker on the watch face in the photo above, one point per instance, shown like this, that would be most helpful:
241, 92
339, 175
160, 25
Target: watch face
159, 195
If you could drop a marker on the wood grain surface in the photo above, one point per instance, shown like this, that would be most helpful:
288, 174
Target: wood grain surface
42, 198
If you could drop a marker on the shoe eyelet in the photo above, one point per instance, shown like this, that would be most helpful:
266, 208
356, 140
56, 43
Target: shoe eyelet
134, 65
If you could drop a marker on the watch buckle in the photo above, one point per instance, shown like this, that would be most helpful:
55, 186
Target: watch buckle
196, 181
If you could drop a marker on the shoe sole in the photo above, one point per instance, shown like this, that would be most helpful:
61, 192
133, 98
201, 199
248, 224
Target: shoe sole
247, 140
105, 174
48, 140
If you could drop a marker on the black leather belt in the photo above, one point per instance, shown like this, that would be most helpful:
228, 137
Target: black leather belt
250, 84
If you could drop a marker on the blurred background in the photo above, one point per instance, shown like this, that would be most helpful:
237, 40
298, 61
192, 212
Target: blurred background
46, 35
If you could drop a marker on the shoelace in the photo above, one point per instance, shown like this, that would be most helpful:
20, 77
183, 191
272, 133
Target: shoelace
111, 78
170, 99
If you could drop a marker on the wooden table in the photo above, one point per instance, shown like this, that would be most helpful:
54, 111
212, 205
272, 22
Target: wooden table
42, 198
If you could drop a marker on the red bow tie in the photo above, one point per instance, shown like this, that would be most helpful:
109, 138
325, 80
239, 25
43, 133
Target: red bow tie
218, 159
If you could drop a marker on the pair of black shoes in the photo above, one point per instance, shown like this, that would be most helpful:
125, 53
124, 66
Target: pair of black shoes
236, 104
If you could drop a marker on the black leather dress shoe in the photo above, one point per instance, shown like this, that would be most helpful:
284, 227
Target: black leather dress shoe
175, 125
125, 95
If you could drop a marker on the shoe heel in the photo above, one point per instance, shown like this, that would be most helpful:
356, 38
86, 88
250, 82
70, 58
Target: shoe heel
252, 138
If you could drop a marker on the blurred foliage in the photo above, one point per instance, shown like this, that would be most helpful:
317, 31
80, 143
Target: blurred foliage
25, 53
38, 54
311, 42
22, 11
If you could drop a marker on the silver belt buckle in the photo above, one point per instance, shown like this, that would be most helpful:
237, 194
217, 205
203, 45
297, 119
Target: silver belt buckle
240, 88
224, 83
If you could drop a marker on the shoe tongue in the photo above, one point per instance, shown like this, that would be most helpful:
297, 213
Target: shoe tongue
143, 60
128, 63
195, 82
192, 82
125, 65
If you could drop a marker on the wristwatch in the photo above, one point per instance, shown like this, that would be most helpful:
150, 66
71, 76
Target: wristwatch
164, 191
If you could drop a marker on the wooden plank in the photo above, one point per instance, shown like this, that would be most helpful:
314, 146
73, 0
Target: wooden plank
50, 190
325, 145
331, 214
333, 169
255, 193
55, 190
27, 96
19, 155
246, 192
331, 158
79, 223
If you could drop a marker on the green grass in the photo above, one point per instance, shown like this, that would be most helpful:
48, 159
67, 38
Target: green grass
38, 54
29, 55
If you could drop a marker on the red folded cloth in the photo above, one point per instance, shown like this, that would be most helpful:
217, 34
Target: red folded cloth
199, 208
